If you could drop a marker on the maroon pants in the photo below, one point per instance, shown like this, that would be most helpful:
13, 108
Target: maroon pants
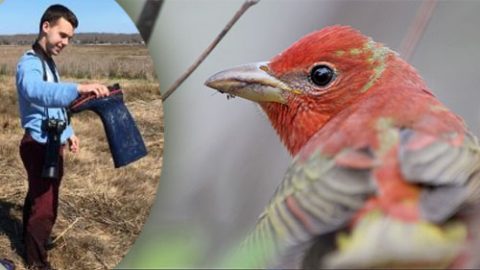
41, 202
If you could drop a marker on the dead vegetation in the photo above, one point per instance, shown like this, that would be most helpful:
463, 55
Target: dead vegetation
102, 209
97, 62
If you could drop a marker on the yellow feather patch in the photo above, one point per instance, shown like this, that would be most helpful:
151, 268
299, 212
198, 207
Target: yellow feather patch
378, 240
438, 108
339, 53
355, 51
378, 58
387, 136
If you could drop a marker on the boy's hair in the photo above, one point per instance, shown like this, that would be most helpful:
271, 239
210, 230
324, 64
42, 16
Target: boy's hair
55, 12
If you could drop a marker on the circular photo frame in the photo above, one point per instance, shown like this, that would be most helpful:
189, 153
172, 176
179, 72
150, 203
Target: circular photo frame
80, 96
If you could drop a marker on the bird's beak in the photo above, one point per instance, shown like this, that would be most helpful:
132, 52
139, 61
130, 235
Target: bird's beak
251, 81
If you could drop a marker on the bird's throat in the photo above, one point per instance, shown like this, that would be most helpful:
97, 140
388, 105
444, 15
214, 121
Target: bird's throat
294, 126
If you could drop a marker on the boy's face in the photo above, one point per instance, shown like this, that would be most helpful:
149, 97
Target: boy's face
58, 35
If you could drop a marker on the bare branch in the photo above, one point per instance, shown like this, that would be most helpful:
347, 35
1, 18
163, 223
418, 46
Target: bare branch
246, 5
417, 28
66, 230
148, 17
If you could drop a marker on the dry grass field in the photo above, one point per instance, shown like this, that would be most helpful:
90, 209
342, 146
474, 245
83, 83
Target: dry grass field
102, 209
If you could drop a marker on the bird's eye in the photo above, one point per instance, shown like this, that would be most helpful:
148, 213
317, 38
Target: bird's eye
322, 75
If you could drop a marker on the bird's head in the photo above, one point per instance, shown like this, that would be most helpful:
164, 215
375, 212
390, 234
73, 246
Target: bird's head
301, 88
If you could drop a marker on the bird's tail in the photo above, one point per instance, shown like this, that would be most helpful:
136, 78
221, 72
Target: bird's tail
256, 251
382, 241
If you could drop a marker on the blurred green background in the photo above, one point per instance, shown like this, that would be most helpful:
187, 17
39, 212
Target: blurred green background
222, 160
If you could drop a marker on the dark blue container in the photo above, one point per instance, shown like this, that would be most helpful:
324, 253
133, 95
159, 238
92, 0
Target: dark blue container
124, 139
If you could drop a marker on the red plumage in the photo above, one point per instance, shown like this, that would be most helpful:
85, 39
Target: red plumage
376, 138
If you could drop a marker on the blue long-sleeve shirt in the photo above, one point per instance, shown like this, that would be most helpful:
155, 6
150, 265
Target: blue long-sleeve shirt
35, 96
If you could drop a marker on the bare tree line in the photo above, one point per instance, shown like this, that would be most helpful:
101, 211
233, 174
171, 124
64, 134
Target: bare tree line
80, 38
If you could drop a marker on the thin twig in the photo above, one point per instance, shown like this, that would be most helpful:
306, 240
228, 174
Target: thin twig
101, 261
148, 17
247, 4
66, 230
417, 28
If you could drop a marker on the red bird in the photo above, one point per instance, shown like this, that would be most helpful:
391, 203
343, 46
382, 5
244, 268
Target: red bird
383, 175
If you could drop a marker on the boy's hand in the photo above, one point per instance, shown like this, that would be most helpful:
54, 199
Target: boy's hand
74, 144
99, 90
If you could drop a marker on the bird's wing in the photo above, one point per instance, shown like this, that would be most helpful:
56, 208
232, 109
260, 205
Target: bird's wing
443, 168
447, 167
318, 195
